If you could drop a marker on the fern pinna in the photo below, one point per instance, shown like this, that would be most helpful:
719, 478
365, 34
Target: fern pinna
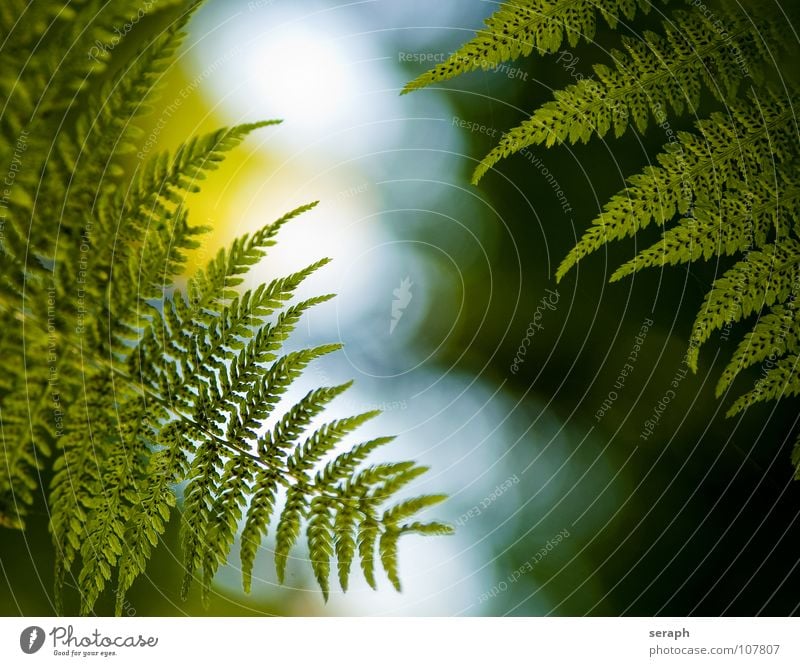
728, 189
121, 386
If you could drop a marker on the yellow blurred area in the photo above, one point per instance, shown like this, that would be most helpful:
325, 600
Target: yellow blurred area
184, 111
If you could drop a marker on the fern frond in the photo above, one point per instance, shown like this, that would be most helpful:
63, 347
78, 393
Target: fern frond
167, 178
428, 529
321, 442
759, 280
146, 231
214, 284
271, 450
79, 476
733, 147
345, 465
411, 507
745, 217
183, 340
223, 377
262, 506
149, 517
138, 386
399, 477
31, 414
298, 418
226, 511
53, 52
204, 481
654, 75
122, 466
105, 130
164, 181
780, 381
774, 335
520, 26
345, 540
728, 189
388, 551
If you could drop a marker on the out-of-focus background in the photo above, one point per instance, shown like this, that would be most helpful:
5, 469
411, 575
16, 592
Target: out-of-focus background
574, 489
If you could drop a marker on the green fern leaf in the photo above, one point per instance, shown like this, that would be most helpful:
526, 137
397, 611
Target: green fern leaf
781, 381
388, 551
321, 442
345, 541
654, 75
759, 280
775, 334
728, 189
259, 514
745, 217
289, 527
320, 542
367, 537
131, 387
520, 26
728, 148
